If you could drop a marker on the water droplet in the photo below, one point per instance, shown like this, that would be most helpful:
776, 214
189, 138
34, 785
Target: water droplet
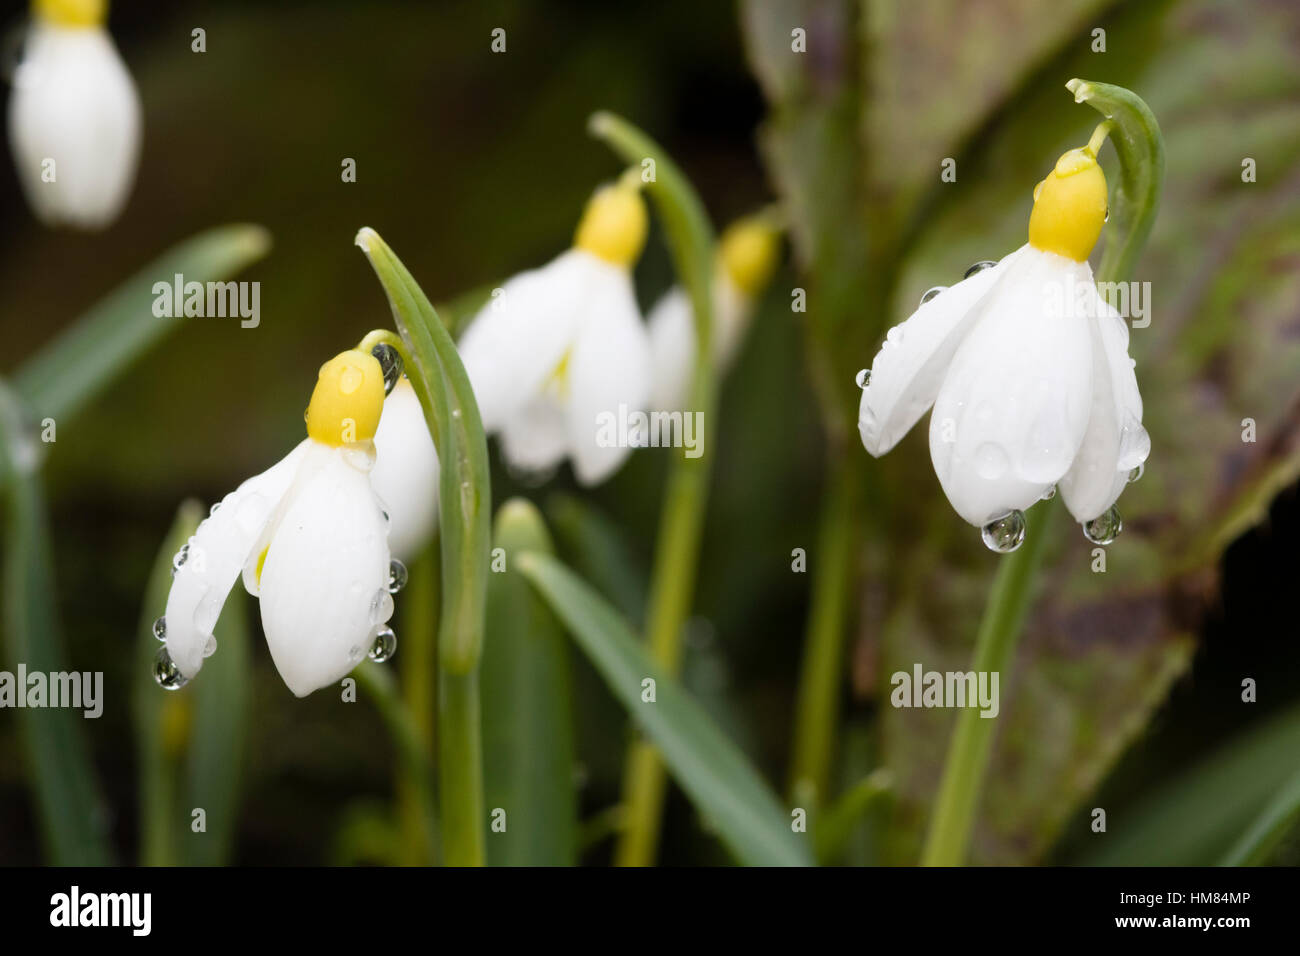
160, 628
388, 521
381, 607
1106, 218
354, 653
390, 363
209, 646
166, 673
360, 455
1006, 533
215, 506
980, 267
385, 645
1105, 528
863, 378
1049, 494
932, 292
396, 576
178, 561
455, 413
1137, 473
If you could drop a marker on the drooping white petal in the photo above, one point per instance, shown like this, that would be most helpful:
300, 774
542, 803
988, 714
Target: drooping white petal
1014, 405
672, 349
73, 102
217, 553
512, 347
671, 328
535, 441
1115, 442
608, 373
324, 580
405, 475
909, 369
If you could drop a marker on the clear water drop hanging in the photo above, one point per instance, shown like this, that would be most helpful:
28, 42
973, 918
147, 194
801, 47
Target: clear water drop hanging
1049, 494
980, 267
396, 576
166, 673
381, 607
181, 556
160, 628
863, 378
384, 646
932, 292
1003, 535
1137, 473
209, 646
390, 363
1104, 528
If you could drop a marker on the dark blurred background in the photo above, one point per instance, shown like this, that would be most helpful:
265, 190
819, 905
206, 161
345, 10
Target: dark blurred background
472, 165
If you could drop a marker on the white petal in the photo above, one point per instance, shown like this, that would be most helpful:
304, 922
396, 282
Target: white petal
324, 580
1115, 442
513, 346
909, 368
535, 441
405, 475
732, 310
217, 553
672, 350
1014, 405
608, 373
73, 102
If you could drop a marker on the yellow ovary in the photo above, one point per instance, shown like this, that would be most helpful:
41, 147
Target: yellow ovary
72, 13
748, 251
613, 225
1070, 206
347, 400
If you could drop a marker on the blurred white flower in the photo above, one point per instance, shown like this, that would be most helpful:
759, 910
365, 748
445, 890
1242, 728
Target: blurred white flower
405, 475
747, 255
559, 346
1028, 371
74, 117
310, 539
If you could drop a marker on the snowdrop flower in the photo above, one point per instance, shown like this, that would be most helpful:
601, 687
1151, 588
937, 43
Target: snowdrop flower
563, 345
310, 539
1028, 371
405, 475
74, 117
747, 255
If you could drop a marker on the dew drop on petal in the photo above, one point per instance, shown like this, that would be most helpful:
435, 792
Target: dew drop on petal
179, 559
390, 363
932, 292
354, 653
166, 673
1049, 494
980, 267
216, 505
863, 378
160, 628
384, 646
1105, 528
396, 576
209, 646
1006, 533
360, 455
1137, 472
381, 607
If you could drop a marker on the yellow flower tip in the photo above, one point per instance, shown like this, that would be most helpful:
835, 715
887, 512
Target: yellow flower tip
614, 225
749, 250
1070, 205
347, 400
72, 13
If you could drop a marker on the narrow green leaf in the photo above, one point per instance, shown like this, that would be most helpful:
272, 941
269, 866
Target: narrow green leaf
1136, 198
74, 368
527, 720
464, 501
158, 714
832, 832
69, 806
721, 783
217, 738
597, 549
1229, 808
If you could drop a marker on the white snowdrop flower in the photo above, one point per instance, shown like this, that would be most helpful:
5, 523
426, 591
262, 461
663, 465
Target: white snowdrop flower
405, 475
74, 117
560, 347
747, 256
1028, 372
309, 538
